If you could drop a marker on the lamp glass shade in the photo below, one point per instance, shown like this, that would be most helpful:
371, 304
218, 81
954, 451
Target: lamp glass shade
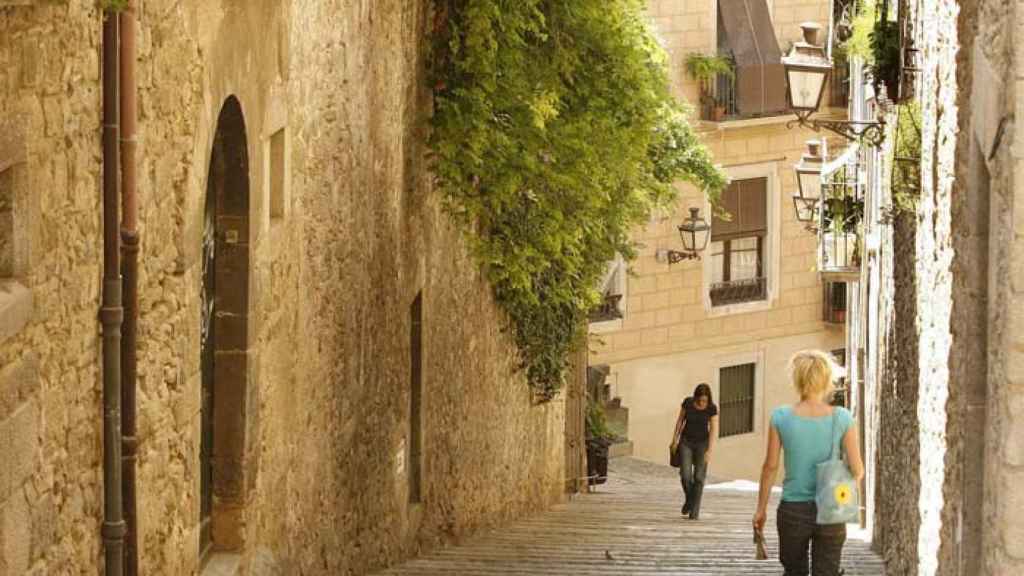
806, 208
694, 232
805, 85
809, 182
807, 67
808, 171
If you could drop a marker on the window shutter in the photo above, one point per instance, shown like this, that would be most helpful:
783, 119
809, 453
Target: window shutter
721, 229
747, 202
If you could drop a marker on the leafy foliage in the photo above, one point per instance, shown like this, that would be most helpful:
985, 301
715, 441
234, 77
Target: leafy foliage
876, 40
597, 421
703, 67
906, 156
114, 5
554, 134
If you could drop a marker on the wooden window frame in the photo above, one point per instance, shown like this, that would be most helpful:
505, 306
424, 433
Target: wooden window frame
722, 293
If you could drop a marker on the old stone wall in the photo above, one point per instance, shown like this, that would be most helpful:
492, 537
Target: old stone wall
50, 418
960, 552
898, 485
919, 420
1000, 176
338, 249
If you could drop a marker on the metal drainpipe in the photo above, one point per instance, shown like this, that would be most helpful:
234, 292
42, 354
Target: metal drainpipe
111, 314
130, 280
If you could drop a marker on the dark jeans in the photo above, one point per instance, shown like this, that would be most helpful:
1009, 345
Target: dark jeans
692, 472
798, 531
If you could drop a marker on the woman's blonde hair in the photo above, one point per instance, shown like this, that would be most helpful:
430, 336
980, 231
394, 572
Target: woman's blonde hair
813, 373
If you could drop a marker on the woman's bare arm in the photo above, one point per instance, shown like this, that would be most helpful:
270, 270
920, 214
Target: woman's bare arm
768, 473
851, 442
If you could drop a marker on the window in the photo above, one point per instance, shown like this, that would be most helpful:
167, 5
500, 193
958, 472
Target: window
612, 291
841, 397
736, 400
416, 398
277, 174
835, 302
738, 246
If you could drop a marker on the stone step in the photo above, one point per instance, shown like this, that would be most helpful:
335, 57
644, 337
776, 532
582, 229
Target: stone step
630, 525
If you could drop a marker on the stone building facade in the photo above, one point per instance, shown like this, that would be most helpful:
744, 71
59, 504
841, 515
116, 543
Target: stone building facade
949, 333
671, 335
304, 121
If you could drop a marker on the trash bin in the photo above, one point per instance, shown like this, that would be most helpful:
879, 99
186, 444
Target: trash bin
597, 460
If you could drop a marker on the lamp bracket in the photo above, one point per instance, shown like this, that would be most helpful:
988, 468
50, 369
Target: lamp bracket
871, 132
675, 256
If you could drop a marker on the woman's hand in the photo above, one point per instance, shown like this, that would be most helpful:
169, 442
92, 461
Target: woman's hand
759, 519
707, 458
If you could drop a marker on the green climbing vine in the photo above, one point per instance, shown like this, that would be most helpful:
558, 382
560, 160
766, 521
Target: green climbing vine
905, 157
554, 135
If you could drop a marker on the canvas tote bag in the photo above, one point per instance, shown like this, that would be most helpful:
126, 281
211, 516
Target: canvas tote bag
836, 495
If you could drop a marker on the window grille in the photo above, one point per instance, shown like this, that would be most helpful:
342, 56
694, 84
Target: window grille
736, 400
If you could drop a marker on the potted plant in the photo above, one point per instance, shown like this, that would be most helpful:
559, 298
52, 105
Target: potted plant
842, 218
599, 438
705, 69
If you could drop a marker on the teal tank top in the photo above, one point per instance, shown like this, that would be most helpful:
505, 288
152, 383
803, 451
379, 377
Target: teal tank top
805, 444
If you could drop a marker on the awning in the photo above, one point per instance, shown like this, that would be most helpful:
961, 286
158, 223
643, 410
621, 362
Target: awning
750, 36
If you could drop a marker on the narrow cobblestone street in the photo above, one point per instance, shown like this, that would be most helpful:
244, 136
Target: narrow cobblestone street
631, 525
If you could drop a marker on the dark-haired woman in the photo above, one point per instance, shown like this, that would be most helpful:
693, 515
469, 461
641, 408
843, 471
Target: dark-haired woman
694, 437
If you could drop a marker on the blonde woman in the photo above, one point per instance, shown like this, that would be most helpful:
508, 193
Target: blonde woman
804, 432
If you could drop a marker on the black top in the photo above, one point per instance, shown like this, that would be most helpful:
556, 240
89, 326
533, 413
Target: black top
697, 426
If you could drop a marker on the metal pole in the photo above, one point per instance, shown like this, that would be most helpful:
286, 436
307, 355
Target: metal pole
130, 280
111, 314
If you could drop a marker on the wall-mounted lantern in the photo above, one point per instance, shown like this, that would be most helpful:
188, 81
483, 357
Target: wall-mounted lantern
808, 171
807, 68
806, 210
694, 232
808, 179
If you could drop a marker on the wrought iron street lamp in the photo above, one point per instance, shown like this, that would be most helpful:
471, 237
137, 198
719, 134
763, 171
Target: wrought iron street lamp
808, 171
694, 232
806, 210
808, 179
807, 68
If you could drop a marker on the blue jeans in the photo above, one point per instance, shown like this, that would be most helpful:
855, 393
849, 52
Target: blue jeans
693, 469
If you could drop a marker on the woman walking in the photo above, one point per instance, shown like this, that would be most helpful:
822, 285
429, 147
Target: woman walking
694, 437
807, 432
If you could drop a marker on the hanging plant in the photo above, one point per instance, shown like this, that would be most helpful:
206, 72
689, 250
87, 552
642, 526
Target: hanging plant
554, 136
875, 39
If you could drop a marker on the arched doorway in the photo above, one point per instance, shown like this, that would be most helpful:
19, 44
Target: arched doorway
224, 337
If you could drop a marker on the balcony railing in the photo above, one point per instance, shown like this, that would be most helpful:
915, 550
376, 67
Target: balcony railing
608, 309
738, 291
842, 217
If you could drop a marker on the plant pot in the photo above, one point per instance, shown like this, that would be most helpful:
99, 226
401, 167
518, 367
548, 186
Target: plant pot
840, 250
718, 113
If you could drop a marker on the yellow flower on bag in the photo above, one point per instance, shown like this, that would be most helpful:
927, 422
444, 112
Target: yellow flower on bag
843, 493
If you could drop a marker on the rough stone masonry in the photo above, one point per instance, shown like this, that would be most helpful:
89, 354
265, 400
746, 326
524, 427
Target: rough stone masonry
342, 231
